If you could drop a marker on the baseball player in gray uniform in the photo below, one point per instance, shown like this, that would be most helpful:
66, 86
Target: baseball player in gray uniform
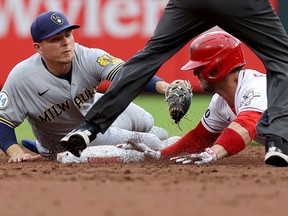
54, 89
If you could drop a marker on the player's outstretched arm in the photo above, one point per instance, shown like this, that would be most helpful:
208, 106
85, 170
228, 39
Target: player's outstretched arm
156, 85
16, 154
232, 140
9, 145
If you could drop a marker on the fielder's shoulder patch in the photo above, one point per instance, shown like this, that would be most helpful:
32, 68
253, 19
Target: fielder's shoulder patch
4, 100
105, 60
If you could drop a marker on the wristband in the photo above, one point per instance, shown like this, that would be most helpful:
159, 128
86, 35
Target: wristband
151, 85
231, 141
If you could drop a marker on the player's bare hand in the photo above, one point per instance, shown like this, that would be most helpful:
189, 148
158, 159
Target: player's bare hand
202, 158
161, 86
23, 157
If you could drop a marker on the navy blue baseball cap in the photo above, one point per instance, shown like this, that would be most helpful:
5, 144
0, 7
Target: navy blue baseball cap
48, 24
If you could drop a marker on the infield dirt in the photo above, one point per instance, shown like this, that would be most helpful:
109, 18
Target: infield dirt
239, 185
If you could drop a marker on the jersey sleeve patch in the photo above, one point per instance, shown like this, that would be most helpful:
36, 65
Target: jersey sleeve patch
248, 97
4, 100
105, 60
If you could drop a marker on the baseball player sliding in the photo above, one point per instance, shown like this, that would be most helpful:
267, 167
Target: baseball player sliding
229, 122
57, 88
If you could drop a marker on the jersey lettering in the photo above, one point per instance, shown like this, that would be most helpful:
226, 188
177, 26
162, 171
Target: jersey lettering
259, 75
207, 113
80, 99
54, 111
57, 109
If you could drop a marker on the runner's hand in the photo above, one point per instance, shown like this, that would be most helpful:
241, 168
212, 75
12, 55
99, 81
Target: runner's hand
208, 156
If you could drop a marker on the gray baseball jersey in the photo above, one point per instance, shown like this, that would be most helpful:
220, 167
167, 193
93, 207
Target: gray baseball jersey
53, 107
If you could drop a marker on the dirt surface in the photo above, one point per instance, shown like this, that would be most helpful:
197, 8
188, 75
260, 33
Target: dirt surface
239, 185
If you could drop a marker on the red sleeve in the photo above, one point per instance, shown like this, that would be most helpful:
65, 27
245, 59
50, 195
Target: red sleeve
194, 141
248, 120
231, 140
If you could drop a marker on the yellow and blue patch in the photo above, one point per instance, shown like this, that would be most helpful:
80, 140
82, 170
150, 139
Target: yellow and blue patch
105, 60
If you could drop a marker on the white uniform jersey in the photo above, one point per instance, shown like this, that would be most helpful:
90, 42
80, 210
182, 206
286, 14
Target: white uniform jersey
53, 107
250, 95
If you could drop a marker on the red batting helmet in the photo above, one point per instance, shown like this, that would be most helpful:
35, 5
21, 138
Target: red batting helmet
218, 51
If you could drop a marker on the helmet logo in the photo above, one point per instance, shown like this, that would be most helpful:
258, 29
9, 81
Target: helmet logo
57, 19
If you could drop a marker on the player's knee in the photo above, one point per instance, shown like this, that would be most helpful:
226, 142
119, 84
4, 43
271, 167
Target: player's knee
150, 121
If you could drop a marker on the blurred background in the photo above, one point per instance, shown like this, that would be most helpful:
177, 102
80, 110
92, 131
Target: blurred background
120, 27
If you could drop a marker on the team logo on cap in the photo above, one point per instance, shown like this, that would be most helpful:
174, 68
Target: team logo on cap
4, 100
57, 19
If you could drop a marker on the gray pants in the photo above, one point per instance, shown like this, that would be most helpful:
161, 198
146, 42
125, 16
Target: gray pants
252, 21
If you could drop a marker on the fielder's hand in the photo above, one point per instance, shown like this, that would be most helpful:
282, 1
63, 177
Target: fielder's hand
141, 147
23, 157
208, 156
16, 154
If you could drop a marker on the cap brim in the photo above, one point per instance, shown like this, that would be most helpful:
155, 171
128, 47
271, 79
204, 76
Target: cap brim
61, 29
190, 65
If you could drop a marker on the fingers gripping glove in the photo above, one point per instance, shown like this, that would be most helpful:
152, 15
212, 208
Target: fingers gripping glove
178, 96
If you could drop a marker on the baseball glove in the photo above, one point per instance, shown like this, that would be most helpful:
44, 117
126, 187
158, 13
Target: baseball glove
178, 96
